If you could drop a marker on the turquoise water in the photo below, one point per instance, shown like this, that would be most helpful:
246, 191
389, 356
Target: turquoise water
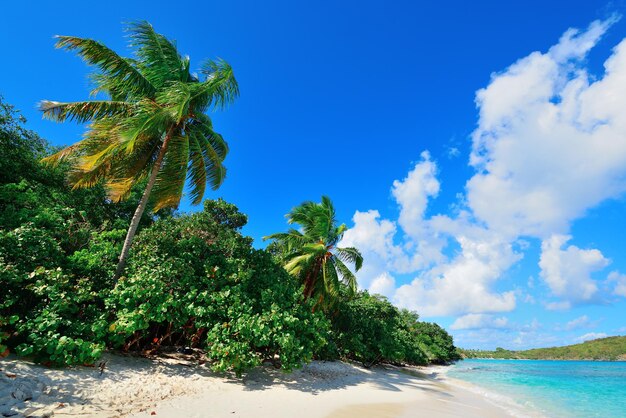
552, 388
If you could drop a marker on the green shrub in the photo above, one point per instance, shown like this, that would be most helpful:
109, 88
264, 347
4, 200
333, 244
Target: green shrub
191, 280
435, 342
369, 329
195, 280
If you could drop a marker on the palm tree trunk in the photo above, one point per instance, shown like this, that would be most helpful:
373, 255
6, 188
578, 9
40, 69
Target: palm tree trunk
134, 223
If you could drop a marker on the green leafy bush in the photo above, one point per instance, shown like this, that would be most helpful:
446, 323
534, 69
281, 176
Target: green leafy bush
369, 329
196, 280
191, 280
55, 245
435, 342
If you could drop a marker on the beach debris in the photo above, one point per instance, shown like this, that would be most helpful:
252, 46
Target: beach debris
10, 375
152, 413
102, 365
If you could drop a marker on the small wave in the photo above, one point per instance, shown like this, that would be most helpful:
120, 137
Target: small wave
512, 407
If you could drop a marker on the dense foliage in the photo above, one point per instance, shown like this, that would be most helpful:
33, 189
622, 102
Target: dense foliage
196, 279
609, 348
369, 329
192, 280
45, 310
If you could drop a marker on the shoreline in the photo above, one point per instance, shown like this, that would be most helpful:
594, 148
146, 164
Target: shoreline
172, 387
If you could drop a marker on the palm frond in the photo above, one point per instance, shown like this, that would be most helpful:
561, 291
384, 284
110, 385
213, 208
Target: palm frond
204, 124
83, 111
128, 170
64, 154
298, 263
170, 182
292, 238
157, 56
176, 97
119, 89
197, 176
220, 87
213, 162
347, 276
350, 255
331, 282
119, 73
150, 120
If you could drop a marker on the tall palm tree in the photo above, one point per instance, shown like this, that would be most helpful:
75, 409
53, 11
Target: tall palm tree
151, 126
311, 253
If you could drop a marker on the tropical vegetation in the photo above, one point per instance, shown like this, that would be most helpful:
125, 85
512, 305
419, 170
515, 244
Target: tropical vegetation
192, 280
311, 254
151, 128
369, 329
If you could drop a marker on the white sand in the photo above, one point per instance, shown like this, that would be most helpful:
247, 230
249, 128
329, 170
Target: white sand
176, 388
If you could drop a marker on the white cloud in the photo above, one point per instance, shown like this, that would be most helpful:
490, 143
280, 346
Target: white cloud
580, 322
464, 284
412, 195
374, 238
591, 336
383, 284
477, 321
550, 145
567, 272
620, 283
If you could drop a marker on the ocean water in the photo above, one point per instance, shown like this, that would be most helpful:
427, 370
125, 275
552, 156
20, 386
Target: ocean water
551, 388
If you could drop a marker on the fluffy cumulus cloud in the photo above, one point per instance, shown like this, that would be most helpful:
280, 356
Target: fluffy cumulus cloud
464, 283
478, 321
620, 283
412, 195
384, 284
442, 286
567, 271
550, 144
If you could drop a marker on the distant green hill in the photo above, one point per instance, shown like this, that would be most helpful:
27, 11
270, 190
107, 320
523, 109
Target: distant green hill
610, 348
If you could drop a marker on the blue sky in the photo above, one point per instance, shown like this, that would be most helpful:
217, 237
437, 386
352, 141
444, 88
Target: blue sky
475, 151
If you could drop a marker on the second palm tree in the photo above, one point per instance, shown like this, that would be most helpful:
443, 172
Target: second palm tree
311, 253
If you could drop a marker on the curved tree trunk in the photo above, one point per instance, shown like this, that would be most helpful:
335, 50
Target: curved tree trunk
134, 223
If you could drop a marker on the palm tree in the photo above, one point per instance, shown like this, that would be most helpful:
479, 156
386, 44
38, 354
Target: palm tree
152, 127
311, 253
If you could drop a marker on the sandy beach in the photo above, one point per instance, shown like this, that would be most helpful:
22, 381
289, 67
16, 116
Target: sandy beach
176, 387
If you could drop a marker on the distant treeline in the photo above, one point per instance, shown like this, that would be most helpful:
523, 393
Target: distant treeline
609, 349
